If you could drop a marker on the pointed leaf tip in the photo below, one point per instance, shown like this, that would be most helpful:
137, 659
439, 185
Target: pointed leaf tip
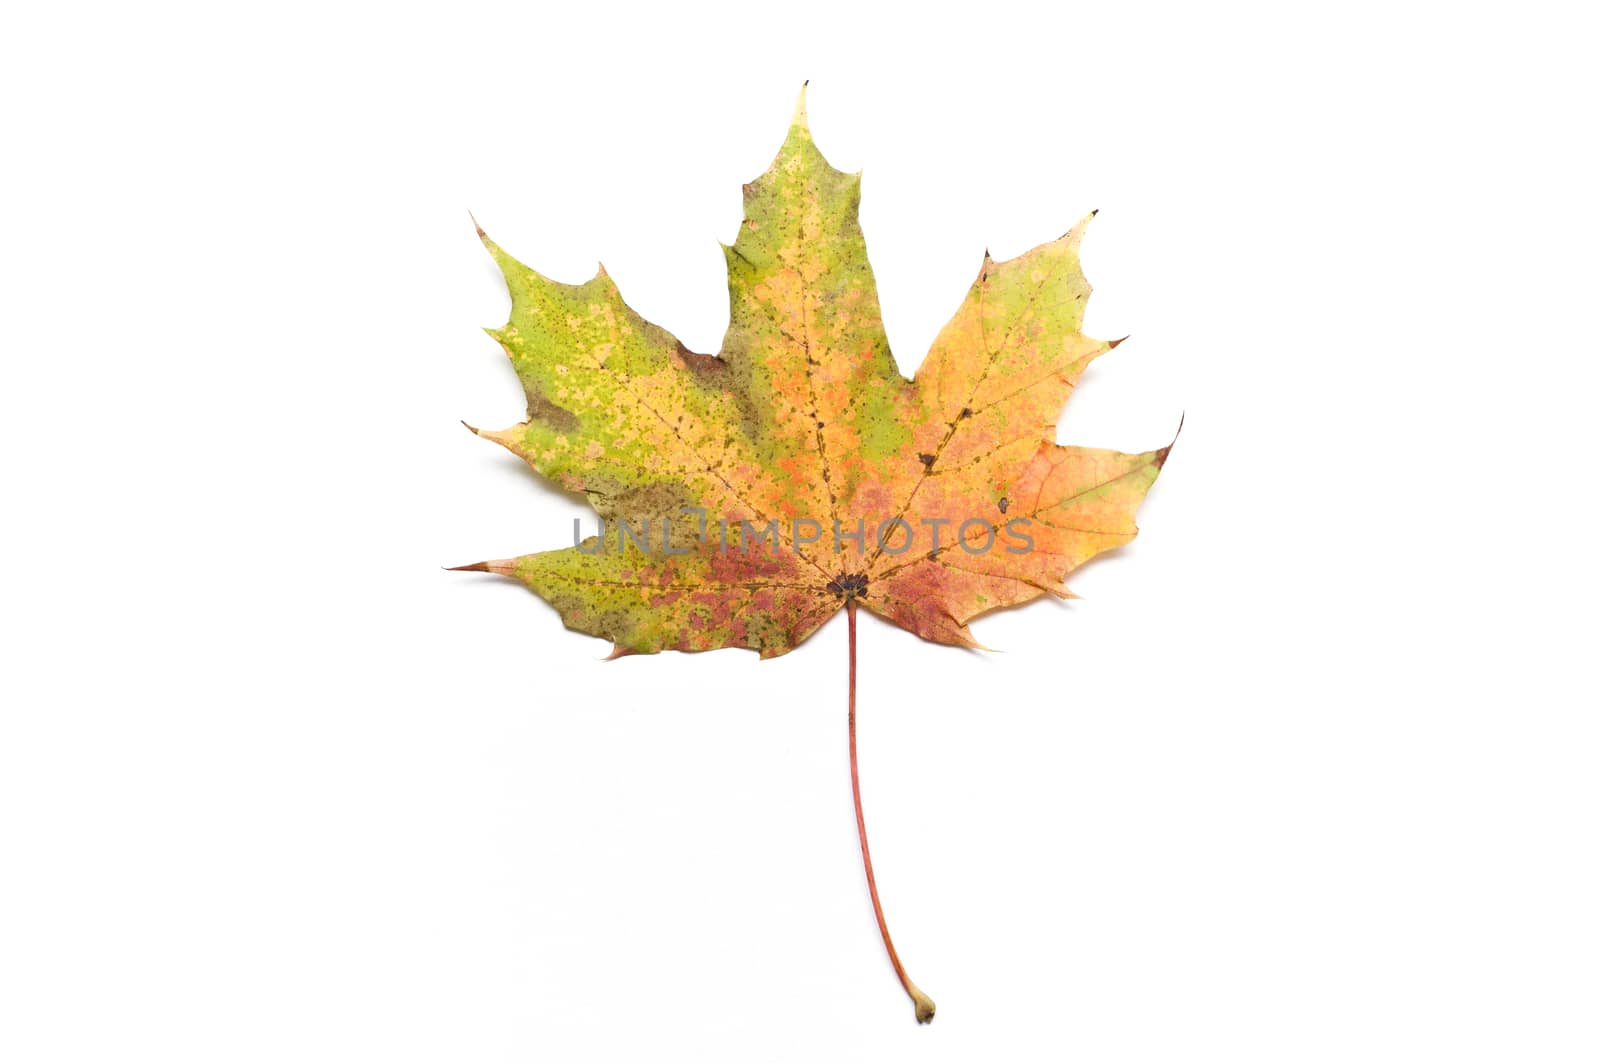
499, 568
1161, 455
799, 118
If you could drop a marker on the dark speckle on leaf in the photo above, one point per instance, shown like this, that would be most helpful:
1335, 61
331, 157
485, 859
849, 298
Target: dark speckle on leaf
848, 586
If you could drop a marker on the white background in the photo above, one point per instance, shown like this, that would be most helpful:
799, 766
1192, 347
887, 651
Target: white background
1309, 774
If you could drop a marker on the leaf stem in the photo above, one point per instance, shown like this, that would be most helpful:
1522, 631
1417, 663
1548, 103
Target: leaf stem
923, 1004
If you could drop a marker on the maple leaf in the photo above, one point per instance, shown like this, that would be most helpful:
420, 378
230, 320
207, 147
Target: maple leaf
747, 497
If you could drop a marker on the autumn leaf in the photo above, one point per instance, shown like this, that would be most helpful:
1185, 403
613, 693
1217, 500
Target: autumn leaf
746, 497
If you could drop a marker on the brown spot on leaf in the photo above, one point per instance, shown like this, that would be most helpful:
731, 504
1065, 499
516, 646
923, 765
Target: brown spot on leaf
700, 363
542, 409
